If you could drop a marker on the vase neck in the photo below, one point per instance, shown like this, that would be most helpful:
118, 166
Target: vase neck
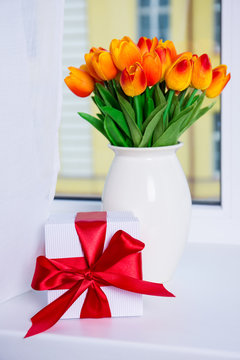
145, 152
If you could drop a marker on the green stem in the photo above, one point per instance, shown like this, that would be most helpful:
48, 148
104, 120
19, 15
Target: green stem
138, 110
191, 98
169, 101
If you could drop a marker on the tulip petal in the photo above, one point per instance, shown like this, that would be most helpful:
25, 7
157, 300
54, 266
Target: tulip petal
103, 65
88, 58
152, 67
170, 45
167, 54
124, 52
147, 45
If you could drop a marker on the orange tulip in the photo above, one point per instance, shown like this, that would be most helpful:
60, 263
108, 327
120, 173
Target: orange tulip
152, 67
103, 65
88, 58
79, 82
133, 80
178, 76
125, 53
219, 81
84, 68
167, 54
147, 45
202, 72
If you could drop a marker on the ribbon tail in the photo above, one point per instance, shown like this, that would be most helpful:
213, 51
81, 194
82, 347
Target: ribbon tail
96, 304
134, 285
49, 315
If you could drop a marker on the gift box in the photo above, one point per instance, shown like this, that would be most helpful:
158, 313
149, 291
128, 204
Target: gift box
62, 241
92, 269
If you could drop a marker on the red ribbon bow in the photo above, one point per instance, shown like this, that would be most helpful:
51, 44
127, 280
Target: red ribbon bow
119, 265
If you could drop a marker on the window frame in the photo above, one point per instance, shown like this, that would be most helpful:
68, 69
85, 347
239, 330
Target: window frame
211, 223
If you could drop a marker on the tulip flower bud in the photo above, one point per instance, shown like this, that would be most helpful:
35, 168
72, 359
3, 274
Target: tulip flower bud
125, 53
167, 54
79, 82
178, 76
202, 72
147, 45
88, 58
152, 67
133, 80
103, 65
219, 81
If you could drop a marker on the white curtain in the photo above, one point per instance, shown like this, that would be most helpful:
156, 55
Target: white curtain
30, 106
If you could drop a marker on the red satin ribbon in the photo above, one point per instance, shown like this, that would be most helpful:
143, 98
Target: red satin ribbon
119, 265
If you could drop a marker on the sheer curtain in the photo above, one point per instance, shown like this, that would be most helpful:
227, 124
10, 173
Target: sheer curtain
30, 106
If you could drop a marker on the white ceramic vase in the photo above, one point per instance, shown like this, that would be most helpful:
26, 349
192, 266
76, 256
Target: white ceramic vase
150, 182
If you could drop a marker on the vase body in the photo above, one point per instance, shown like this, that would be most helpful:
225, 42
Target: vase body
150, 182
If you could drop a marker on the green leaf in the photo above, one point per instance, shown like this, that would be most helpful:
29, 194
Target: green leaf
185, 100
114, 134
152, 114
119, 91
107, 96
110, 87
119, 119
158, 96
98, 124
100, 116
159, 130
129, 115
176, 111
196, 108
199, 114
169, 102
195, 98
170, 136
172, 133
190, 100
149, 107
172, 107
151, 127
98, 101
183, 114
181, 96
147, 92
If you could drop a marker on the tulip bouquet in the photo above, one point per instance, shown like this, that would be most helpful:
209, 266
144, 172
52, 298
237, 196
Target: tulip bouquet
146, 93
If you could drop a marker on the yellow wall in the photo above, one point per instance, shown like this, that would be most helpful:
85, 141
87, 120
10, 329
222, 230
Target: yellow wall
108, 19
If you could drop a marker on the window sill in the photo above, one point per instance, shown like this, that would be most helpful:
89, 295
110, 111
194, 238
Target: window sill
202, 322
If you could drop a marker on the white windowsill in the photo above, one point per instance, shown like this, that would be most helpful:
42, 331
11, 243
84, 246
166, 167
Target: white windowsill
202, 322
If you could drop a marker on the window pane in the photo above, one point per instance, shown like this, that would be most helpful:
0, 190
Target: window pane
163, 2
85, 157
144, 2
163, 26
145, 25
